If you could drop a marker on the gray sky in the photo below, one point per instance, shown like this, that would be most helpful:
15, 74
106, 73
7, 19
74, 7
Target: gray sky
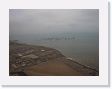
34, 21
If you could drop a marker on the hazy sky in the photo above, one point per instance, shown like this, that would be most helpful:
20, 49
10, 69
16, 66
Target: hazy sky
34, 21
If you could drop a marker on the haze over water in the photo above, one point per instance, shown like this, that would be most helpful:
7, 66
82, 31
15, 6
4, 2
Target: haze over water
74, 32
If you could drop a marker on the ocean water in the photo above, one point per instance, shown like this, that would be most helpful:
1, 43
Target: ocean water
82, 47
74, 32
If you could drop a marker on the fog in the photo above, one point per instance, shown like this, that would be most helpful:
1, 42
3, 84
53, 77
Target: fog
38, 21
74, 32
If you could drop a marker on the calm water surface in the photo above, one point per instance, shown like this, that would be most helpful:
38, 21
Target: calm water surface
83, 47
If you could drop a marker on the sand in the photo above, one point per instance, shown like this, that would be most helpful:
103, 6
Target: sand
51, 68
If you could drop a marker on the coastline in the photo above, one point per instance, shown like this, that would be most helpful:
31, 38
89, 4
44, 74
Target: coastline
31, 60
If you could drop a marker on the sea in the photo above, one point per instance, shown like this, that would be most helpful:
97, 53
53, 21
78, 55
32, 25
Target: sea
82, 47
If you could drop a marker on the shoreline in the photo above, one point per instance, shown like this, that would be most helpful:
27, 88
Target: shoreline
84, 65
24, 58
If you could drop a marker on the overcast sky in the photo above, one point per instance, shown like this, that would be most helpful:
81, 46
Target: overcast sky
36, 21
